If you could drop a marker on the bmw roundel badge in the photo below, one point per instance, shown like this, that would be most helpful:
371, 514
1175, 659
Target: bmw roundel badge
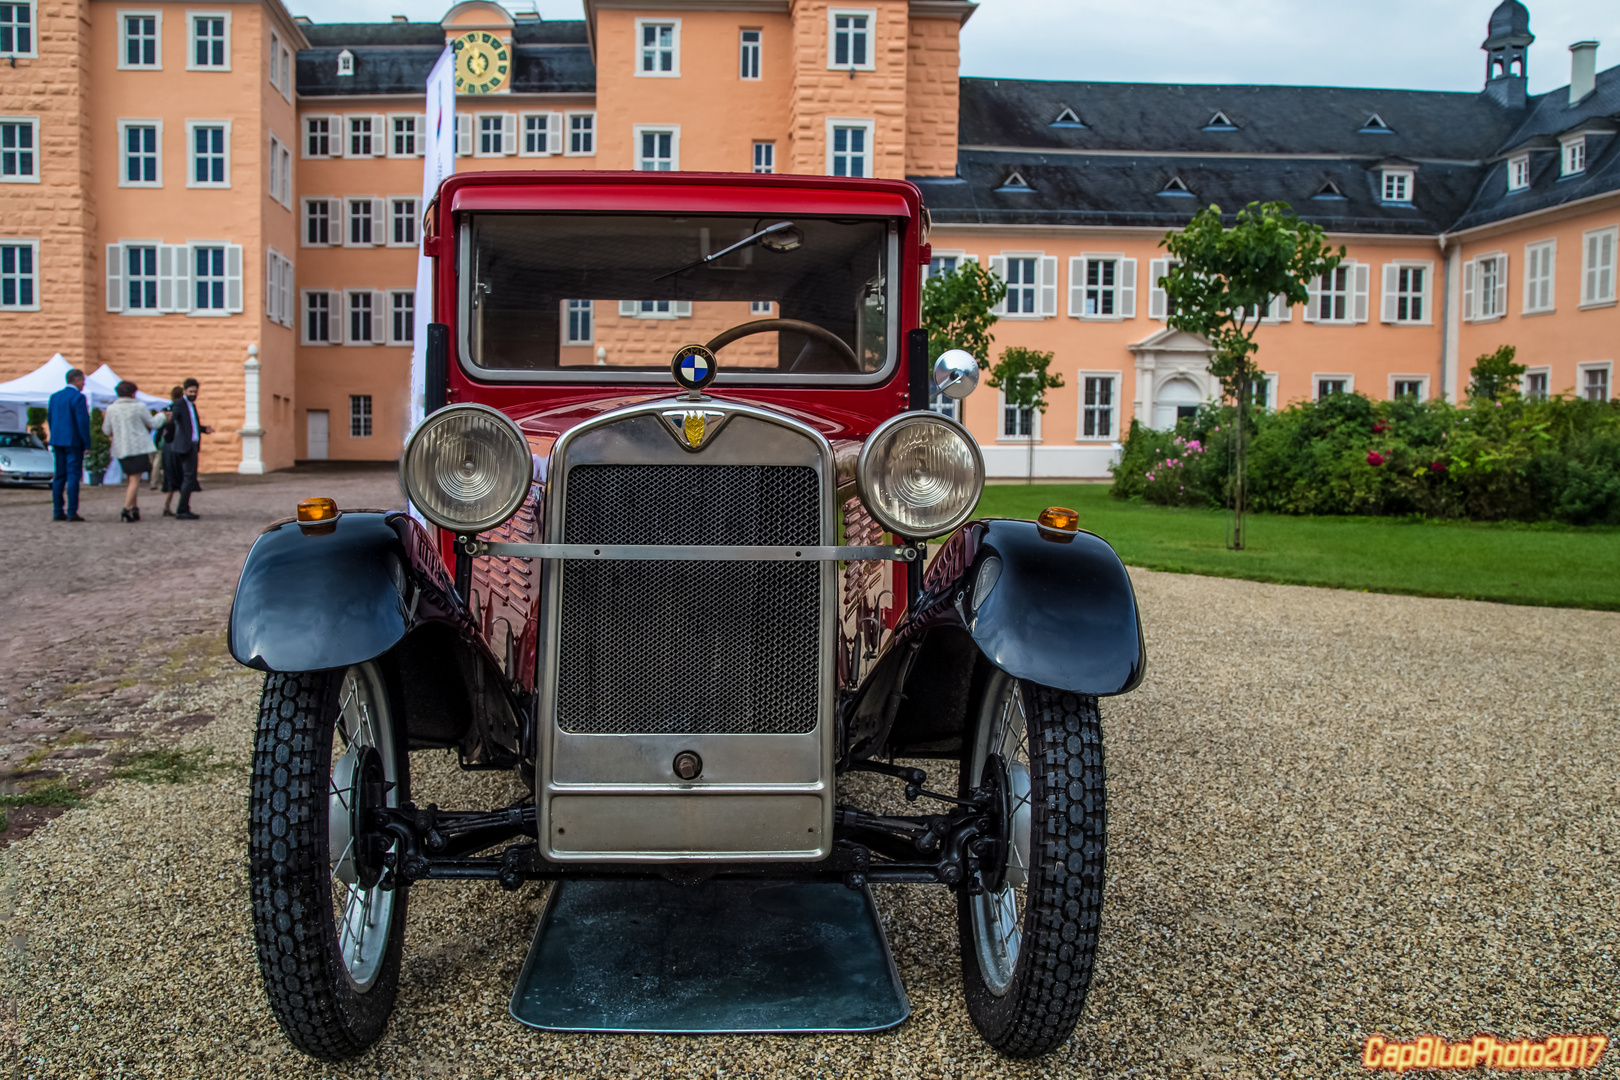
694, 367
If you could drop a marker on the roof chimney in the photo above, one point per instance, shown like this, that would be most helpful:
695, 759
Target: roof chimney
402, 18
1582, 70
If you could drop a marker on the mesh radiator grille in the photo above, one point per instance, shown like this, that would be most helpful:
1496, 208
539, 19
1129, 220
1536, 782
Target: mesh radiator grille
671, 648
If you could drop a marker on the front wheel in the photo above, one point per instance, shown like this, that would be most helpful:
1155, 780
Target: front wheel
329, 924
1028, 923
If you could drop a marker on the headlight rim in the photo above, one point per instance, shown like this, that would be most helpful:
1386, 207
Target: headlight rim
510, 508
925, 416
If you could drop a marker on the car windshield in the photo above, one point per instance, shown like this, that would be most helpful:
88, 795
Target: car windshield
589, 297
19, 440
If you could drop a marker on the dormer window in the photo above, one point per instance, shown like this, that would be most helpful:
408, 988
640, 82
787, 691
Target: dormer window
1518, 172
1330, 190
1219, 122
345, 62
1375, 126
1397, 186
1176, 189
1573, 155
1015, 182
1067, 119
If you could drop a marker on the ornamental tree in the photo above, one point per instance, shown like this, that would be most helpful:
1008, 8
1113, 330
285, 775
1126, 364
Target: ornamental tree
1222, 282
1495, 376
958, 310
1023, 377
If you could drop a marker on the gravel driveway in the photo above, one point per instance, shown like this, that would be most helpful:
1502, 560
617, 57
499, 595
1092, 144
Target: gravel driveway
1332, 814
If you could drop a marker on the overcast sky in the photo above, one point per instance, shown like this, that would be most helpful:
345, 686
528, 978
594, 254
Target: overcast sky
1409, 44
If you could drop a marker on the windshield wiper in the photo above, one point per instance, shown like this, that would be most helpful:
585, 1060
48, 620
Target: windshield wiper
744, 242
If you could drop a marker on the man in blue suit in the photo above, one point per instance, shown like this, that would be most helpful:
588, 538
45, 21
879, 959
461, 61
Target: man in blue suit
69, 418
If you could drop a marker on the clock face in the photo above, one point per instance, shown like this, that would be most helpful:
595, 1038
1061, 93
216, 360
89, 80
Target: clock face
482, 62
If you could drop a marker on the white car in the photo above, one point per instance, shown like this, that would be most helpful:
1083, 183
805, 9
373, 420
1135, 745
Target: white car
24, 459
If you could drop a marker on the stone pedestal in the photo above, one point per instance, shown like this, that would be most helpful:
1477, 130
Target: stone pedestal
252, 434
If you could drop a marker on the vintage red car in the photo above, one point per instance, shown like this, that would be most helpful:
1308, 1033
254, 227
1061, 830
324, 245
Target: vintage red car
667, 559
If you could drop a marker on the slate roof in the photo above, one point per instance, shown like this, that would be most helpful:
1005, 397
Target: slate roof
395, 58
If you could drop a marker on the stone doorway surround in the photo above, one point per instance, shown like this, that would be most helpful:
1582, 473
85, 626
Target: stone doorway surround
1167, 355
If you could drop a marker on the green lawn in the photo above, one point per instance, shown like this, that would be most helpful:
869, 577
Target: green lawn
1552, 565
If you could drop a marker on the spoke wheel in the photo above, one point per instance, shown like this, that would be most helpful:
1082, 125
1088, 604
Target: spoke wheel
1029, 929
328, 921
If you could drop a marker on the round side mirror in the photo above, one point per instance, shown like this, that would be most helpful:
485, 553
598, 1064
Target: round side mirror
956, 374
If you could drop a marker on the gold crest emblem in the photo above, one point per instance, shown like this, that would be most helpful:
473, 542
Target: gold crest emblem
694, 428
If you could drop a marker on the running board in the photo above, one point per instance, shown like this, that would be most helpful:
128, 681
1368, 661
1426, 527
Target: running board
737, 957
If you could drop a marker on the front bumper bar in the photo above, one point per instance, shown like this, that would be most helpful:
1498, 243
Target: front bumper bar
906, 553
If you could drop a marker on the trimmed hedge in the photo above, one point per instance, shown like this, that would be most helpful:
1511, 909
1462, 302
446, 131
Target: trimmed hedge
1550, 459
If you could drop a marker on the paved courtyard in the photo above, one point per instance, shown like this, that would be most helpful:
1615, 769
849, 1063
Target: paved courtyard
1331, 814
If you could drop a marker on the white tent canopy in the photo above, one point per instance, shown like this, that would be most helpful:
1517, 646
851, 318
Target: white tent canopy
36, 387
105, 377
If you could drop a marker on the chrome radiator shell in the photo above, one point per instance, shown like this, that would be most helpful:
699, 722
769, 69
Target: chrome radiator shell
609, 794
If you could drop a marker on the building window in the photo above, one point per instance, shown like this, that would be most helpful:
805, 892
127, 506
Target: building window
362, 136
1535, 384
361, 221
318, 137
402, 222
1574, 155
1406, 293
281, 172
1407, 388
1261, 391
749, 56
1332, 295
947, 406
653, 308
849, 147
541, 134
275, 60
284, 62
1097, 409
360, 312
209, 166
581, 134
759, 307
317, 318
17, 29
849, 40
1485, 287
660, 48
1022, 286
345, 68
1100, 287
1519, 172
317, 222
658, 149
142, 162
402, 317
278, 288
19, 156
1018, 424
210, 42
1397, 186
143, 40
580, 331
405, 134
359, 416
1597, 266
1538, 276
141, 277
497, 134
942, 264
18, 286
1327, 385
764, 157
208, 278
1595, 382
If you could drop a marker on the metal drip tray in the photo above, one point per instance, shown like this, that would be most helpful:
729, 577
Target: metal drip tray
726, 956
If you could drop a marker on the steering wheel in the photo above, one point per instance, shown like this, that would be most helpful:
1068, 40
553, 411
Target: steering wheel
797, 326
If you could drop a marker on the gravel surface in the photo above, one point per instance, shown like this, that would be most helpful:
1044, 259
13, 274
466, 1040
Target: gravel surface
1332, 814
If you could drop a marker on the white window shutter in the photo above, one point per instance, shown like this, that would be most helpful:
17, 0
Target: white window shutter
115, 277
1125, 298
288, 310
464, 134
1392, 282
628, 308
382, 317
1363, 276
508, 133
998, 267
379, 134
1468, 290
380, 231
337, 136
682, 309
337, 317
184, 260
1309, 313
1077, 286
233, 277
1048, 285
554, 133
165, 276
272, 287
1501, 283
1158, 302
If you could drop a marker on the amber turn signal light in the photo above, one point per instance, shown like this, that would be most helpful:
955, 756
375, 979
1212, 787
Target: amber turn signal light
1059, 518
317, 510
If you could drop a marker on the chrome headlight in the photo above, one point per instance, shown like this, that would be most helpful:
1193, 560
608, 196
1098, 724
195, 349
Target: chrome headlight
467, 468
920, 474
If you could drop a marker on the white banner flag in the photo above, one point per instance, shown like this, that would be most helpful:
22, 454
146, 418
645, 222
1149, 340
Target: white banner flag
438, 162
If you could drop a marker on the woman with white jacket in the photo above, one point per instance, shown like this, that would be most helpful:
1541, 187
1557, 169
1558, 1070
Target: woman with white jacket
130, 425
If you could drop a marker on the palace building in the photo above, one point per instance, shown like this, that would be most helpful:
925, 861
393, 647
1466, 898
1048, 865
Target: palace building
225, 191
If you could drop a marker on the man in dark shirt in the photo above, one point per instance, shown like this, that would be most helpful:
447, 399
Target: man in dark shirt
188, 431
68, 413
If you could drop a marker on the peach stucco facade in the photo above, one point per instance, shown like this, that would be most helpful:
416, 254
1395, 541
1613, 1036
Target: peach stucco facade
280, 384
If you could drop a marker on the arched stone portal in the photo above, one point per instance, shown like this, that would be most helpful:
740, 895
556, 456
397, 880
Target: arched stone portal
1172, 375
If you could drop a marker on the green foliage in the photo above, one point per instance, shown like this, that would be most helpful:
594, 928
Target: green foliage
956, 311
1495, 376
36, 419
1554, 459
1225, 279
166, 766
1024, 376
99, 456
45, 793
